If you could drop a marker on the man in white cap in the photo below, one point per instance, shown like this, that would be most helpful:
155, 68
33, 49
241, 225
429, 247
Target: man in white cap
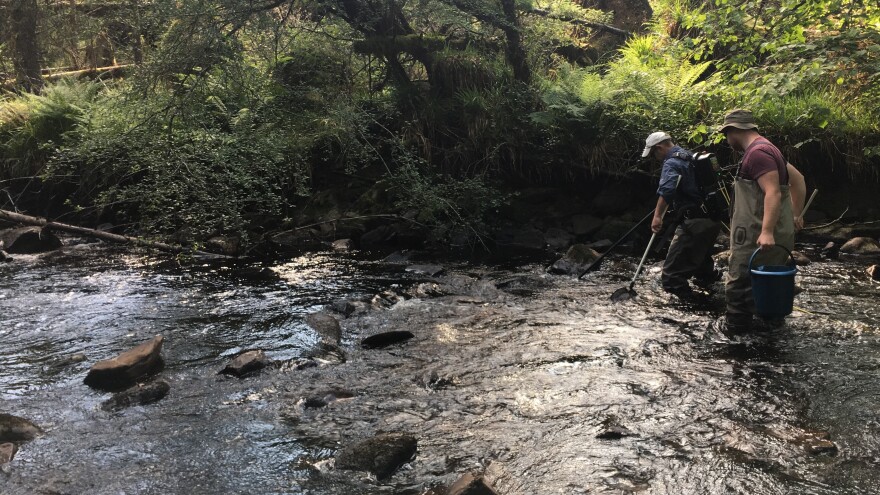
690, 253
768, 198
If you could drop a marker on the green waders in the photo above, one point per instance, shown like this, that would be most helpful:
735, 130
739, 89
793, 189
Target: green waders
745, 227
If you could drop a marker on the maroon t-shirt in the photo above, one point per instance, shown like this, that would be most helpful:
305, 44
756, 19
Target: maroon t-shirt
762, 157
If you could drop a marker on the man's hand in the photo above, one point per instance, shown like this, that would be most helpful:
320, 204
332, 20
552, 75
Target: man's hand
798, 223
656, 224
766, 240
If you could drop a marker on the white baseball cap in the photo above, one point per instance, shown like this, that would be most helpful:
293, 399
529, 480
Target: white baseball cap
653, 140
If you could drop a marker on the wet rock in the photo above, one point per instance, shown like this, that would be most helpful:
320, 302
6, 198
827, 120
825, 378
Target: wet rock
29, 240
873, 271
434, 381
4, 256
830, 251
7, 452
585, 225
380, 236
471, 484
247, 362
861, 245
125, 369
342, 245
427, 270
225, 245
385, 339
817, 442
385, 299
325, 353
576, 260
800, 259
381, 455
297, 364
16, 429
558, 239
66, 361
398, 257
344, 307
323, 399
326, 326
427, 289
139, 395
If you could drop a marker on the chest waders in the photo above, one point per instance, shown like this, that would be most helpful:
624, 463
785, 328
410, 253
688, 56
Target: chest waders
745, 226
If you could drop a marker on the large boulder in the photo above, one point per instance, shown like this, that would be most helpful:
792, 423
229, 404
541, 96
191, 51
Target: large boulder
225, 245
29, 240
861, 245
246, 362
558, 239
342, 245
576, 260
326, 326
381, 455
139, 395
127, 368
16, 429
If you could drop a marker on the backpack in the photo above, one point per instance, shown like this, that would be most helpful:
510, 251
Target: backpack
705, 167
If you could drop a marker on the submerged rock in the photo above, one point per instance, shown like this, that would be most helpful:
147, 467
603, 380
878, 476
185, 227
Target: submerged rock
322, 399
471, 484
385, 299
385, 339
125, 369
16, 429
246, 362
428, 270
139, 395
29, 240
576, 260
344, 307
861, 245
326, 326
381, 455
342, 245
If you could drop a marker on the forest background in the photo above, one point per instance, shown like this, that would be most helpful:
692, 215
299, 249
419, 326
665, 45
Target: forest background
187, 119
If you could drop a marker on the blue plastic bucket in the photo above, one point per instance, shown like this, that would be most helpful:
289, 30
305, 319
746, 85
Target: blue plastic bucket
773, 287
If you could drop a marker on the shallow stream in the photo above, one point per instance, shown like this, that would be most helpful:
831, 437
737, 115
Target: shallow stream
512, 372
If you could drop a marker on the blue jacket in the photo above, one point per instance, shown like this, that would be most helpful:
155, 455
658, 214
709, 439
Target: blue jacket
687, 194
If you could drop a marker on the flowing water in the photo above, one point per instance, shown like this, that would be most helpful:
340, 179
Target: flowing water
539, 381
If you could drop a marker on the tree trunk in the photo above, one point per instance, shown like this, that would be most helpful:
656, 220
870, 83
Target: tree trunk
516, 54
24, 40
107, 236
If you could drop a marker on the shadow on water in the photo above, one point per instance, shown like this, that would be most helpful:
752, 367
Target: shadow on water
541, 381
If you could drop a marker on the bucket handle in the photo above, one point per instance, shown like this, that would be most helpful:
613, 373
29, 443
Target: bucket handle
793, 262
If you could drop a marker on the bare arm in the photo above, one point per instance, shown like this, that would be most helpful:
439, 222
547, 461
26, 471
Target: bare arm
769, 183
659, 212
798, 189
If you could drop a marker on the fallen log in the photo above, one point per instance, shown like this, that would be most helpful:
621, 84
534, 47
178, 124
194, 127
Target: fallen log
100, 234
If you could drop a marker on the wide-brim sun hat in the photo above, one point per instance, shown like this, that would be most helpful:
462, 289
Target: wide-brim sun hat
738, 119
654, 139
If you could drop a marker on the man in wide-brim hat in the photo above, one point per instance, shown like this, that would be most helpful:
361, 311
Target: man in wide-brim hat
761, 214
